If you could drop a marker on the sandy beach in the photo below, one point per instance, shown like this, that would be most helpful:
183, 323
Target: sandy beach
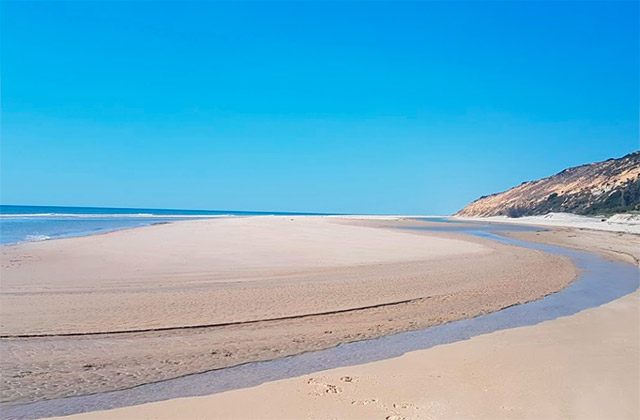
582, 366
107, 312
319, 210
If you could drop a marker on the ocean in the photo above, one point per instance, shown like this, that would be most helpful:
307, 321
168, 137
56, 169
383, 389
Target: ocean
39, 223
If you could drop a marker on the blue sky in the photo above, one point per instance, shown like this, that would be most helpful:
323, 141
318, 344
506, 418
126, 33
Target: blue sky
357, 107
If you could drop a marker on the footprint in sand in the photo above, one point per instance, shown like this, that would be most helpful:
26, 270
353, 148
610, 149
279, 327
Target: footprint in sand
364, 402
404, 405
323, 388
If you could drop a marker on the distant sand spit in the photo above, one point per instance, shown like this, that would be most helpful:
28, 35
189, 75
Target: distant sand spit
333, 280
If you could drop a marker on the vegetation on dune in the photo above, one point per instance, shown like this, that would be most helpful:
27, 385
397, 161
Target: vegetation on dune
602, 188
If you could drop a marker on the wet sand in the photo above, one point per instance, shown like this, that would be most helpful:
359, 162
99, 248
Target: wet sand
334, 280
586, 365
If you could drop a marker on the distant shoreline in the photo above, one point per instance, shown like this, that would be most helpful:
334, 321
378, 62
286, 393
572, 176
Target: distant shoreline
625, 222
20, 224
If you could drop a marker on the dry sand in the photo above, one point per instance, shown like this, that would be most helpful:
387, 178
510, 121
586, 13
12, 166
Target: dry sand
619, 245
237, 270
582, 366
187, 273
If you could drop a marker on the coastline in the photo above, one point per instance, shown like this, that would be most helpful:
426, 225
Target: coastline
338, 265
23, 224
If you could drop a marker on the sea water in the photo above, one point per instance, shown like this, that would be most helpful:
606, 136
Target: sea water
38, 223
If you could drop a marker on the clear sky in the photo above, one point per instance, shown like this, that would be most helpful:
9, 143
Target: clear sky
359, 107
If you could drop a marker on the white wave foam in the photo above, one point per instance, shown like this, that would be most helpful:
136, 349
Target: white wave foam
36, 238
111, 216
